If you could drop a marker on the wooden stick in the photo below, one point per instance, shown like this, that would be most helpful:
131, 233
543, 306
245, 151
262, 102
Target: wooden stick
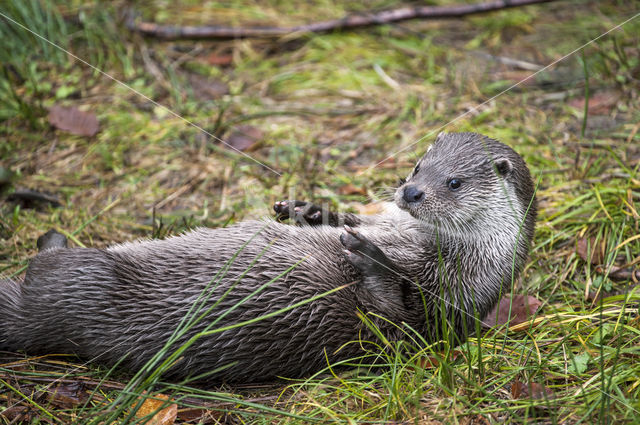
170, 32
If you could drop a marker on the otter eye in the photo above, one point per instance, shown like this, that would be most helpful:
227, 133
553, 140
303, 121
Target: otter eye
454, 184
415, 170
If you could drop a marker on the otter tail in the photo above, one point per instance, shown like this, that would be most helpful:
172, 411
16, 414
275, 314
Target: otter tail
9, 313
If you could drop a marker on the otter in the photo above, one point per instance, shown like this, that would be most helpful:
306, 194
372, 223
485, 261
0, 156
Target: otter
424, 270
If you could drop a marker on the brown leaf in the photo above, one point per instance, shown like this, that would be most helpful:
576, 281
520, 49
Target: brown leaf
349, 189
219, 60
166, 416
431, 362
68, 395
200, 415
590, 250
73, 120
533, 390
518, 388
207, 88
600, 103
621, 274
24, 414
191, 414
245, 137
522, 308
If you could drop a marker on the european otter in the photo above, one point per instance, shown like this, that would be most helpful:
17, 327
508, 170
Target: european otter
461, 227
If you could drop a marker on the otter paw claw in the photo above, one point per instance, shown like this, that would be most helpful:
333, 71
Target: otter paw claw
362, 253
302, 212
354, 241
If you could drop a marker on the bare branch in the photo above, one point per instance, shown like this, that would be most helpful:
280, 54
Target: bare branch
170, 32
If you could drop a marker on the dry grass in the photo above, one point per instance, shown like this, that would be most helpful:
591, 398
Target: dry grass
328, 108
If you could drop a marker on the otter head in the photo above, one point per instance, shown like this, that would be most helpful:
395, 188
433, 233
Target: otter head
468, 185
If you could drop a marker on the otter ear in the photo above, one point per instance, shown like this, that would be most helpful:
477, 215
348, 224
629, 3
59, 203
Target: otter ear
503, 166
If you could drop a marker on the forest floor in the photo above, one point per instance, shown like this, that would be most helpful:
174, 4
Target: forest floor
210, 132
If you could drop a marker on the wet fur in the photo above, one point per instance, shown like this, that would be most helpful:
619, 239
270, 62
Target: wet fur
125, 301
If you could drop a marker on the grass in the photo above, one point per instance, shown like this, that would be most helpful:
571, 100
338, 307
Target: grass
328, 110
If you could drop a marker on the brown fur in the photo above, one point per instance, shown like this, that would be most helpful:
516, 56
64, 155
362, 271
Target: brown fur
447, 252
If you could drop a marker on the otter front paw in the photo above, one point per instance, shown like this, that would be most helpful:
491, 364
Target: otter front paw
364, 254
302, 212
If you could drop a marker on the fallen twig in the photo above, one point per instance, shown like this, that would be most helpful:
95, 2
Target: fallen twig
29, 198
171, 32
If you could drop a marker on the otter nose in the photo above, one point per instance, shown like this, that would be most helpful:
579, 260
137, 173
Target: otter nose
412, 194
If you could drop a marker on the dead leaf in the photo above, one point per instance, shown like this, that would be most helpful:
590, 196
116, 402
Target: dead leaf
533, 390
431, 362
166, 416
523, 308
68, 395
73, 120
24, 414
219, 60
200, 415
245, 137
600, 103
619, 274
191, 414
207, 88
590, 250
349, 189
